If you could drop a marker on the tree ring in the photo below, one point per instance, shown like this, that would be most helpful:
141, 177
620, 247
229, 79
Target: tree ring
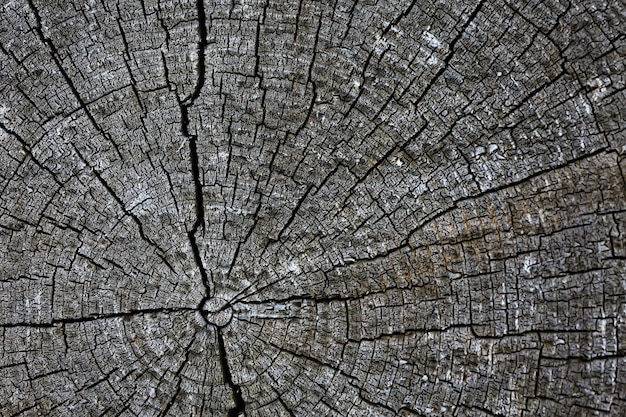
217, 311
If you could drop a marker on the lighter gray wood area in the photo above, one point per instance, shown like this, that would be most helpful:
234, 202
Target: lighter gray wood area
323, 208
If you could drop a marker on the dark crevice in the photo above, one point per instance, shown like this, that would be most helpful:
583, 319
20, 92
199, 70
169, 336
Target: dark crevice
94, 317
185, 105
240, 404
304, 297
298, 14
610, 356
199, 223
202, 44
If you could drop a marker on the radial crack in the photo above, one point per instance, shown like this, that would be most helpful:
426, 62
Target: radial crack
240, 404
185, 105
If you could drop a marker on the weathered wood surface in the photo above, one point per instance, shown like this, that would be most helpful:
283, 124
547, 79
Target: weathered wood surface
273, 208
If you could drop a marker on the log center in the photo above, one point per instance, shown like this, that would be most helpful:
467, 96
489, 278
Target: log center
217, 311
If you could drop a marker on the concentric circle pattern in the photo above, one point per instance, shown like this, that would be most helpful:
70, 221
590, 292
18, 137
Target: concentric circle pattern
217, 311
312, 208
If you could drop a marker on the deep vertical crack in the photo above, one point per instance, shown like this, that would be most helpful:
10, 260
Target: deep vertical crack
185, 105
240, 404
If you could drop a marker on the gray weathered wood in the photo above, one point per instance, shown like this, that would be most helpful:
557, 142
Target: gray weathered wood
349, 208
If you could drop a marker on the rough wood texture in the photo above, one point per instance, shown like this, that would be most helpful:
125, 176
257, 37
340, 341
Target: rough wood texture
348, 208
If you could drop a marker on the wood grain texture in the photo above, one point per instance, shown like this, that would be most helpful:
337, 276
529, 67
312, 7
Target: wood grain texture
314, 208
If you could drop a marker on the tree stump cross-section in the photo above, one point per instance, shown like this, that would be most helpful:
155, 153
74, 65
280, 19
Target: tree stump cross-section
312, 208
